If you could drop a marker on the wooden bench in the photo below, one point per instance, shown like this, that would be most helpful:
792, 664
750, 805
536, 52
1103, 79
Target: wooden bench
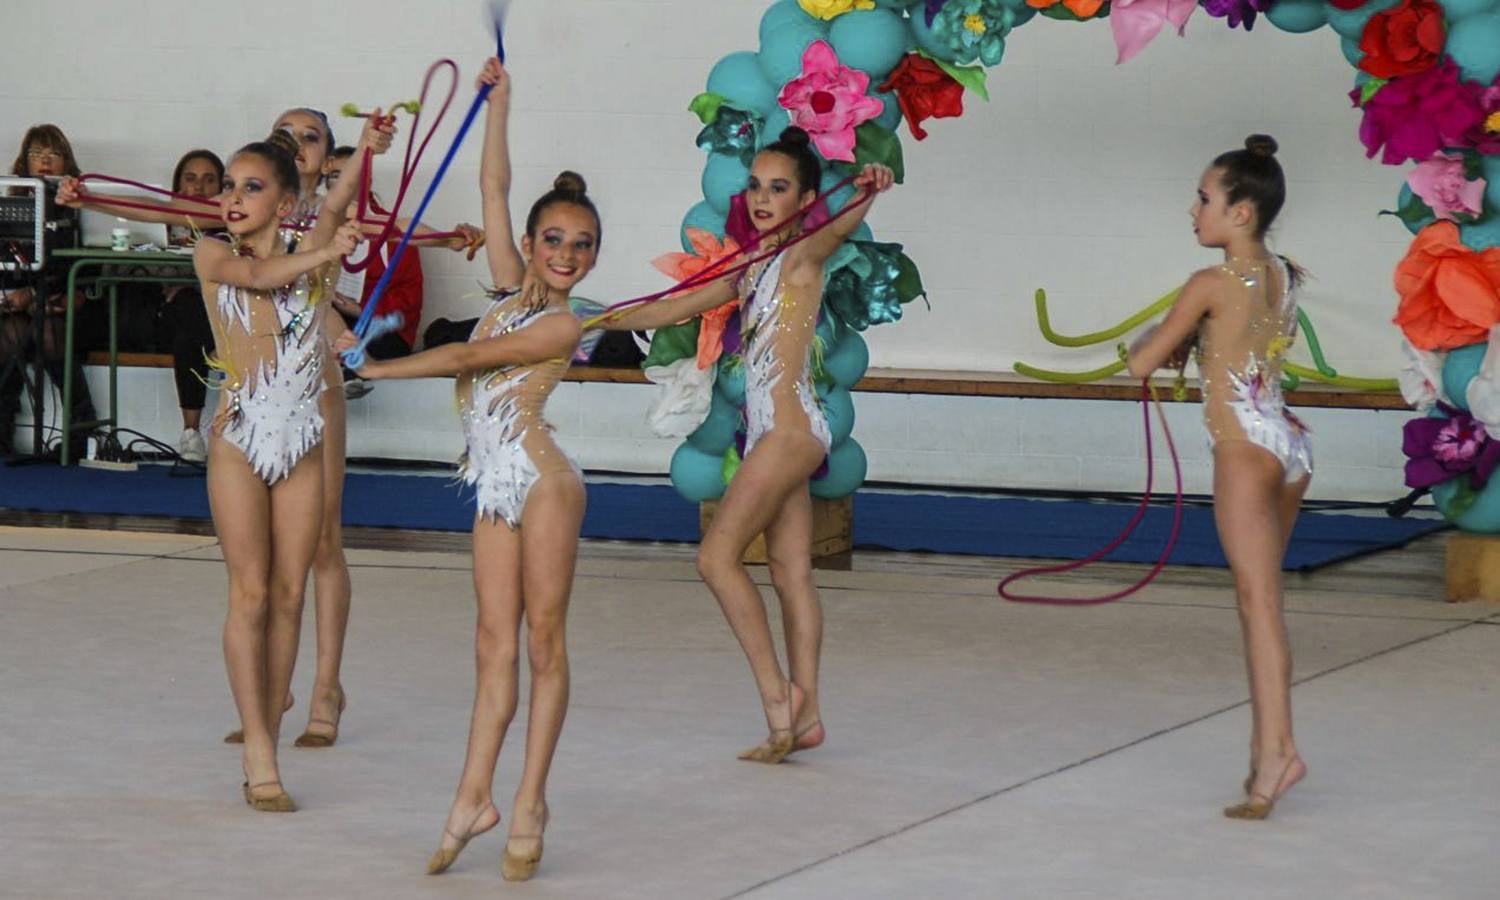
946, 383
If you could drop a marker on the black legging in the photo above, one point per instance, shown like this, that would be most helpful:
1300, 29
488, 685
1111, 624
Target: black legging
17, 347
191, 340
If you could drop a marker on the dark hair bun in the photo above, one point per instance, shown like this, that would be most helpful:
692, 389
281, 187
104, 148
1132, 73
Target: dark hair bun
570, 182
284, 142
796, 137
1261, 145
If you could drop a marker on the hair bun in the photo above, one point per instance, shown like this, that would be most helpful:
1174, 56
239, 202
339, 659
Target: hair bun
1261, 145
284, 142
570, 182
795, 136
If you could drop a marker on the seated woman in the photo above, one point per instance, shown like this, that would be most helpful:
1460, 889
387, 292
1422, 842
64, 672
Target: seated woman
185, 330
32, 303
403, 294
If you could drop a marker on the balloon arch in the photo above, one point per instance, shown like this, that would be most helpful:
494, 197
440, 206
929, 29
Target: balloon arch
851, 72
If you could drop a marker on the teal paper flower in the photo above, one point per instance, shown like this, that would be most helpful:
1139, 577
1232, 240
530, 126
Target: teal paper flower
733, 132
974, 29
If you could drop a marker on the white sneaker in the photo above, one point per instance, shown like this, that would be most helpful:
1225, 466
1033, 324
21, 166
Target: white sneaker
191, 445
355, 388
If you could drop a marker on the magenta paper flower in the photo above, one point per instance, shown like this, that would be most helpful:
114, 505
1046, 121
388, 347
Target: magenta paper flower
1485, 136
828, 101
1441, 184
1415, 116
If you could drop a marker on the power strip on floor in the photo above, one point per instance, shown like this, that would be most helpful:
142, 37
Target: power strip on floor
108, 464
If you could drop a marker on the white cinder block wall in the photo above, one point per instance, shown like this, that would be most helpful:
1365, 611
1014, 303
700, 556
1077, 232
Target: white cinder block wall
1076, 177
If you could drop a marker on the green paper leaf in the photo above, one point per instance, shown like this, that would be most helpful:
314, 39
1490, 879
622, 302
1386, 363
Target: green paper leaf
706, 107
1415, 212
909, 284
1473, 168
672, 343
973, 78
873, 144
1371, 88
731, 464
1463, 498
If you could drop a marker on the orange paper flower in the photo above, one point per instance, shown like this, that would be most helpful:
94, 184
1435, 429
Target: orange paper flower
1083, 9
707, 250
1450, 295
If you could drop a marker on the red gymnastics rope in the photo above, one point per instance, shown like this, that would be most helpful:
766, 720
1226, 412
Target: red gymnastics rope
111, 200
408, 167
1148, 398
715, 272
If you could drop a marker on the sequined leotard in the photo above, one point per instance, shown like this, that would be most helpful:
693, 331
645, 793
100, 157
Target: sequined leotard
1239, 360
293, 227
271, 350
777, 324
510, 444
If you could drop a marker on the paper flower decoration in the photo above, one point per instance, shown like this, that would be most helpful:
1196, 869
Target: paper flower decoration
828, 101
1236, 11
1439, 449
1347, 5
1403, 40
1421, 379
924, 90
1442, 184
1415, 116
733, 132
976, 29
1450, 295
1136, 23
1082, 9
832, 9
707, 250
1484, 136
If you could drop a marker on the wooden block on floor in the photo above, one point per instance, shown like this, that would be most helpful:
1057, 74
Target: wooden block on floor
832, 532
1473, 567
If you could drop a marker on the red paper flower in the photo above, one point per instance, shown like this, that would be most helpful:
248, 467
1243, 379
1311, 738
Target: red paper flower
924, 91
1403, 40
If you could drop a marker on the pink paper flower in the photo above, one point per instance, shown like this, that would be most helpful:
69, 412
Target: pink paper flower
828, 101
1415, 116
1137, 22
1441, 184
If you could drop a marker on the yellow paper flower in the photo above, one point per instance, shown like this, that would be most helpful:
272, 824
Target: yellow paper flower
832, 9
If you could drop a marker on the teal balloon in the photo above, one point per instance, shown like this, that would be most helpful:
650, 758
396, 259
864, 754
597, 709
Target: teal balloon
696, 475
847, 467
825, 331
717, 431
1474, 43
701, 216
1299, 16
1022, 11
1460, 368
1482, 517
838, 409
896, 4
1483, 234
1457, 9
1352, 53
788, 12
863, 232
1350, 23
781, 51
731, 380
871, 40
890, 117
723, 177
739, 80
843, 195
922, 35
847, 361
777, 121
